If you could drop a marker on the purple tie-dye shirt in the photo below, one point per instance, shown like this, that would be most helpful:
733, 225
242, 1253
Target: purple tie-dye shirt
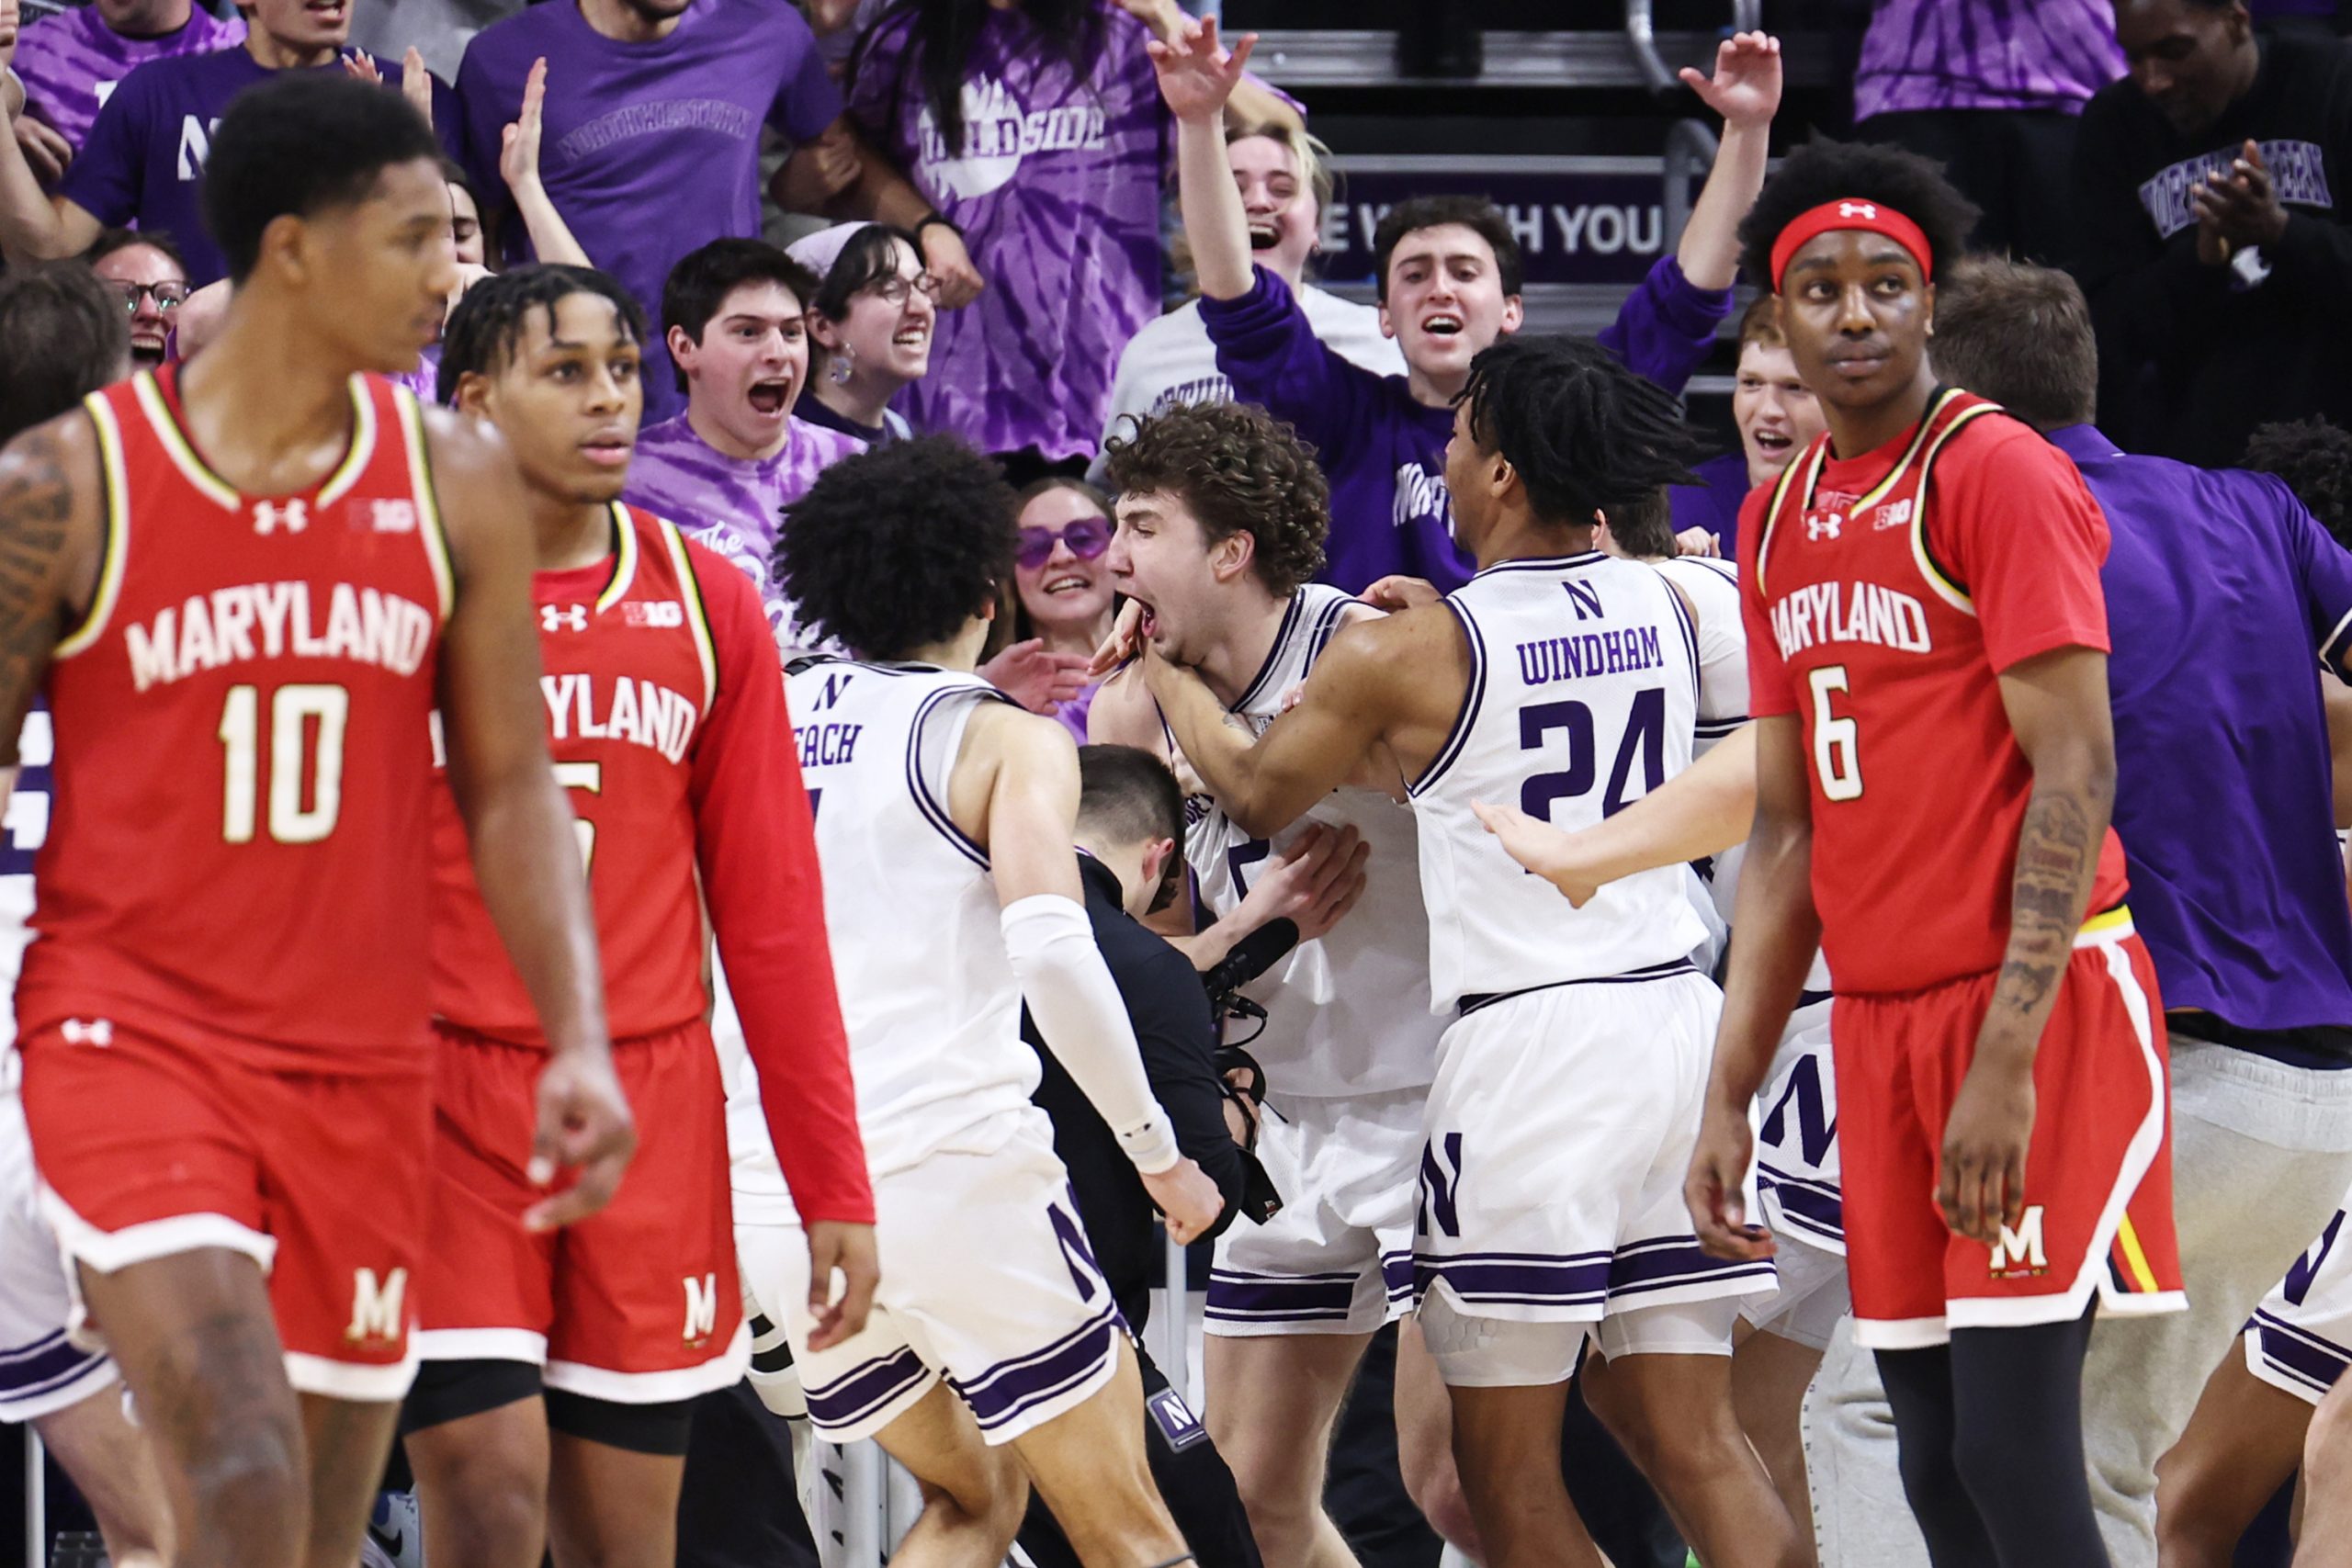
72, 63
732, 504
1986, 54
1057, 189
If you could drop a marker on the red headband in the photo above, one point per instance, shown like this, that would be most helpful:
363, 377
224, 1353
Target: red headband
1851, 213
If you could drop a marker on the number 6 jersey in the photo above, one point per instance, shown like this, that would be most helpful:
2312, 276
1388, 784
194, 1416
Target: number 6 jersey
241, 839
1884, 594
1583, 696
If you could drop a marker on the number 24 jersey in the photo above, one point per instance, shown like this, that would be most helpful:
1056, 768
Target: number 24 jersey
1885, 595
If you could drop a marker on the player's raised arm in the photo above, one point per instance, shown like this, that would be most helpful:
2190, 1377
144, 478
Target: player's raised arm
1024, 771
1377, 682
525, 855
1779, 933
50, 502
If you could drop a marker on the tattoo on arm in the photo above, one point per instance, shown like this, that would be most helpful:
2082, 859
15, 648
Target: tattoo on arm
36, 503
2057, 856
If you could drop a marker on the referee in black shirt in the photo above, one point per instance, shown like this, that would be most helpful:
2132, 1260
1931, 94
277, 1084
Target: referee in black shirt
1130, 847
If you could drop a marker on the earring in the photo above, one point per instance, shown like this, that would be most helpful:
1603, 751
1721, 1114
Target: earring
841, 365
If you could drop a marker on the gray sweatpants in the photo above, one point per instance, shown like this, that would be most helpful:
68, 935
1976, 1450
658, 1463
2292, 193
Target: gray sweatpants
2262, 1154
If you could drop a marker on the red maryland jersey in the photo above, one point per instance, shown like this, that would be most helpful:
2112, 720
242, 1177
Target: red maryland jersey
1883, 594
243, 770
667, 722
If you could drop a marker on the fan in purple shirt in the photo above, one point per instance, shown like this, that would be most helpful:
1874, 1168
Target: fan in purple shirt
1448, 279
652, 135
146, 149
1777, 417
1034, 127
734, 313
72, 63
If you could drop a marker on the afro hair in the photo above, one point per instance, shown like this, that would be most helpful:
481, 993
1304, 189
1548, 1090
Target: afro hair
2315, 459
1586, 434
895, 549
1824, 171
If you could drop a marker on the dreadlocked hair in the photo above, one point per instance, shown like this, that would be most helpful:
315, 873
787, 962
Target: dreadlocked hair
895, 548
1823, 171
1585, 434
2315, 459
488, 322
942, 33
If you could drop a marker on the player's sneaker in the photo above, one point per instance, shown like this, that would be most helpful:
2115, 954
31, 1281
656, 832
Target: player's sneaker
395, 1533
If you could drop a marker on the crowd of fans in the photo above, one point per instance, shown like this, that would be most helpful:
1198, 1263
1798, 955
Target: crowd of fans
971, 193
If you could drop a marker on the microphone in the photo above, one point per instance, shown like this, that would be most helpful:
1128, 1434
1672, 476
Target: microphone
1250, 957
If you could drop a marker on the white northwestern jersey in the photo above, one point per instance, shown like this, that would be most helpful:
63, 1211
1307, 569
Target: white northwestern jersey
928, 996
22, 829
1583, 696
1348, 1014
1712, 589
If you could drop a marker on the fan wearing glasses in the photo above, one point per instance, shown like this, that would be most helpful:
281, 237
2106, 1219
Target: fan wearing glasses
869, 327
1065, 590
146, 271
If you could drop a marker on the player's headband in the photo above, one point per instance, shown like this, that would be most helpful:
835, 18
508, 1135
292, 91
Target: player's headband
1850, 213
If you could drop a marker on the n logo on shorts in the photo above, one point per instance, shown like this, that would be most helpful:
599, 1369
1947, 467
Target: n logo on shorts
376, 1307
702, 1308
2019, 1251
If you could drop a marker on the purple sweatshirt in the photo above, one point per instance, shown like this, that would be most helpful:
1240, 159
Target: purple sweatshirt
1986, 54
1057, 189
147, 148
1383, 453
73, 62
734, 506
647, 149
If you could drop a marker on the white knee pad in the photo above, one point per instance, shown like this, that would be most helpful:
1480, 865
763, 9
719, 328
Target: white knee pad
1494, 1352
1684, 1328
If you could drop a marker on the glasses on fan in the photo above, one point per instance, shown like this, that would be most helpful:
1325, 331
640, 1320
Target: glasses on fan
1086, 538
168, 296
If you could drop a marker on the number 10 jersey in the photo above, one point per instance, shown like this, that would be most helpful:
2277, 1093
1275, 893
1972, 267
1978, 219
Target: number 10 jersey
241, 839
1583, 696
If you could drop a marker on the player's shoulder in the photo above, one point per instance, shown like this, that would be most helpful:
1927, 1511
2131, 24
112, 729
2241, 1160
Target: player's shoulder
50, 465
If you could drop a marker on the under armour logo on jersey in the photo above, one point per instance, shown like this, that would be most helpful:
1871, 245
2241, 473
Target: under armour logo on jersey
563, 617
1861, 210
269, 515
96, 1032
397, 515
1817, 524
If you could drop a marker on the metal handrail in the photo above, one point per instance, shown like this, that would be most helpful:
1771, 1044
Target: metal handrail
1747, 16
1641, 38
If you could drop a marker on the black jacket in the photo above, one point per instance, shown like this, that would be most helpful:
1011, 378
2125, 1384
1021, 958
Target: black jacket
1171, 1013
2191, 356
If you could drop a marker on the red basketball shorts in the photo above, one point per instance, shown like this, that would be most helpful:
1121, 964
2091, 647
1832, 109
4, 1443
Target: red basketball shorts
640, 1302
152, 1145
2098, 1168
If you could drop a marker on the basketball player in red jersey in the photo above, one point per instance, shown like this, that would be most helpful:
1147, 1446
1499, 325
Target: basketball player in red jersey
248, 586
667, 705
1935, 764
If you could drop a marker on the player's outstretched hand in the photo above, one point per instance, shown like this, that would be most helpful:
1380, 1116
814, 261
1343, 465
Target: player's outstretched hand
1125, 641
1745, 87
1187, 1199
1400, 593
1713, 1190
838, 1245
1541, 848
1980, 1187
1035, 679
584, 1126
1315, 882
1197, 74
